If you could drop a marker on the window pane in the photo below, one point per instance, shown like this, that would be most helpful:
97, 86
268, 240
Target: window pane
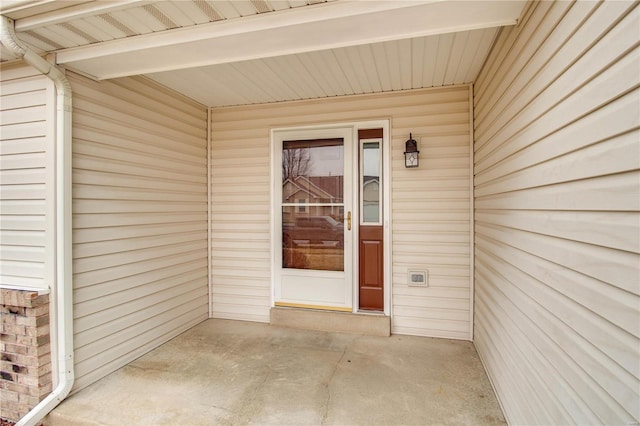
313, 239
313, 170
371, 182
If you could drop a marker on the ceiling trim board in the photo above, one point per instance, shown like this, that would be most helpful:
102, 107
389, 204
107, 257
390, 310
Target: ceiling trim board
77, 11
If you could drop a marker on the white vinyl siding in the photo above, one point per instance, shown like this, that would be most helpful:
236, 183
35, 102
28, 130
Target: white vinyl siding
431, 204
26, 153
557, 197
139, 220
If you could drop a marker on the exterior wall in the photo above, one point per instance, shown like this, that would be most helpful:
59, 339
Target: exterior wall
25, 164
431, 205
140, 220
557, 187
25, 352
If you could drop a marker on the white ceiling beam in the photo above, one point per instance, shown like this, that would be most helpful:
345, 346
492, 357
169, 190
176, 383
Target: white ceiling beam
327, 26
77, 11
322, 12
8, 7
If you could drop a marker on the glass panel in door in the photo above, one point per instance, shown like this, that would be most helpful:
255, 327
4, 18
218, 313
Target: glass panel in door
370, 190
313, 204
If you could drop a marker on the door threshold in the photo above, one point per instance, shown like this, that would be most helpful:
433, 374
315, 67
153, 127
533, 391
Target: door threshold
307, 306
367, 312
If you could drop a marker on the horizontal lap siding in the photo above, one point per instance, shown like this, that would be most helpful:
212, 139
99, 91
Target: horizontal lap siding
430, 205
557, 187
25, 167
140, 220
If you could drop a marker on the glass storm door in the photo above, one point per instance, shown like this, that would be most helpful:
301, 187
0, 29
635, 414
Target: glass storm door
314, 219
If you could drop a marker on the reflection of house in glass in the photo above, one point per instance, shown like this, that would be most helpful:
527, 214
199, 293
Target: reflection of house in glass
371, 199
307, 192
312, 227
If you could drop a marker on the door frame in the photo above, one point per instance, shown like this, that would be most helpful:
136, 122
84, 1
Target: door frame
275, 248
332, 289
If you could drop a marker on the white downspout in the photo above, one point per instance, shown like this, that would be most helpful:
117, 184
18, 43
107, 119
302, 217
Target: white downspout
63, 284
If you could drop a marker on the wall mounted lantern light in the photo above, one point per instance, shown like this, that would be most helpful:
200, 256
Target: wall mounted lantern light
411, 152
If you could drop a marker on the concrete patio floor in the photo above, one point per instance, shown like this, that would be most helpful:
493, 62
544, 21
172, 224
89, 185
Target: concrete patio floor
234, 373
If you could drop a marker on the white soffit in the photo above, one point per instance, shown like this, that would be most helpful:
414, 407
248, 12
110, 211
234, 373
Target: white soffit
431, 61
333, 25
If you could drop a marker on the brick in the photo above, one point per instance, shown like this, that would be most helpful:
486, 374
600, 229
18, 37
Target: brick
27, 350
12, 415
43, 339
19, 408
19, 369
13, 329
9, 319
32, 320
8, 338
8, 376
26, 380
13, 387
6, 365
38, 370
13, 310
40, 310
39, 331
25, 389
23, 359
45, 358
9, 396
26, 341
40, 300
22, 298
44, 371
40, 350
27, 321
32, 340
9, 297
28, 400
15, 349
46, 390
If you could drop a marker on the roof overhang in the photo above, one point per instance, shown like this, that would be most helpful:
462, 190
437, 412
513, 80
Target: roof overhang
227, 52
320, 27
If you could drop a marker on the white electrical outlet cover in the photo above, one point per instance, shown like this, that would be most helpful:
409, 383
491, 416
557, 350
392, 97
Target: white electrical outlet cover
418, 278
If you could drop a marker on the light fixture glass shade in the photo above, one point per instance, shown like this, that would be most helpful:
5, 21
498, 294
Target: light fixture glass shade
411, 152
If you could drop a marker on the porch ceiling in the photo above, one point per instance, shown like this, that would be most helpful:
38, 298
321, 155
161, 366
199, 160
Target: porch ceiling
246, 52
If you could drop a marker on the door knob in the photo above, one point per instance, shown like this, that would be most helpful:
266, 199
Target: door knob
349, 221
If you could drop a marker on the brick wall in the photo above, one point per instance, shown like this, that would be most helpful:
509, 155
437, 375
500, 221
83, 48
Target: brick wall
25, 352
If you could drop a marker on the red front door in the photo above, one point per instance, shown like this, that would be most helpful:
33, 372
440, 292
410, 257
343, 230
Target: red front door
371, 244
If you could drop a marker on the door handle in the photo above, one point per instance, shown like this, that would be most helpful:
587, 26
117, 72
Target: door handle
349, 221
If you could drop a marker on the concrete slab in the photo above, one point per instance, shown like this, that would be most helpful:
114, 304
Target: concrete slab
234, 373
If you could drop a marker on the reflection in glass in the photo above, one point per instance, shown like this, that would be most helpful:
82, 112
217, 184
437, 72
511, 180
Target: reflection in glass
313, 240
371, 182
313, 204
313, 170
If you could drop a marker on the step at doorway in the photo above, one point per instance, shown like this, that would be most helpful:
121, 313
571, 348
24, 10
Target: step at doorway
370, 324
